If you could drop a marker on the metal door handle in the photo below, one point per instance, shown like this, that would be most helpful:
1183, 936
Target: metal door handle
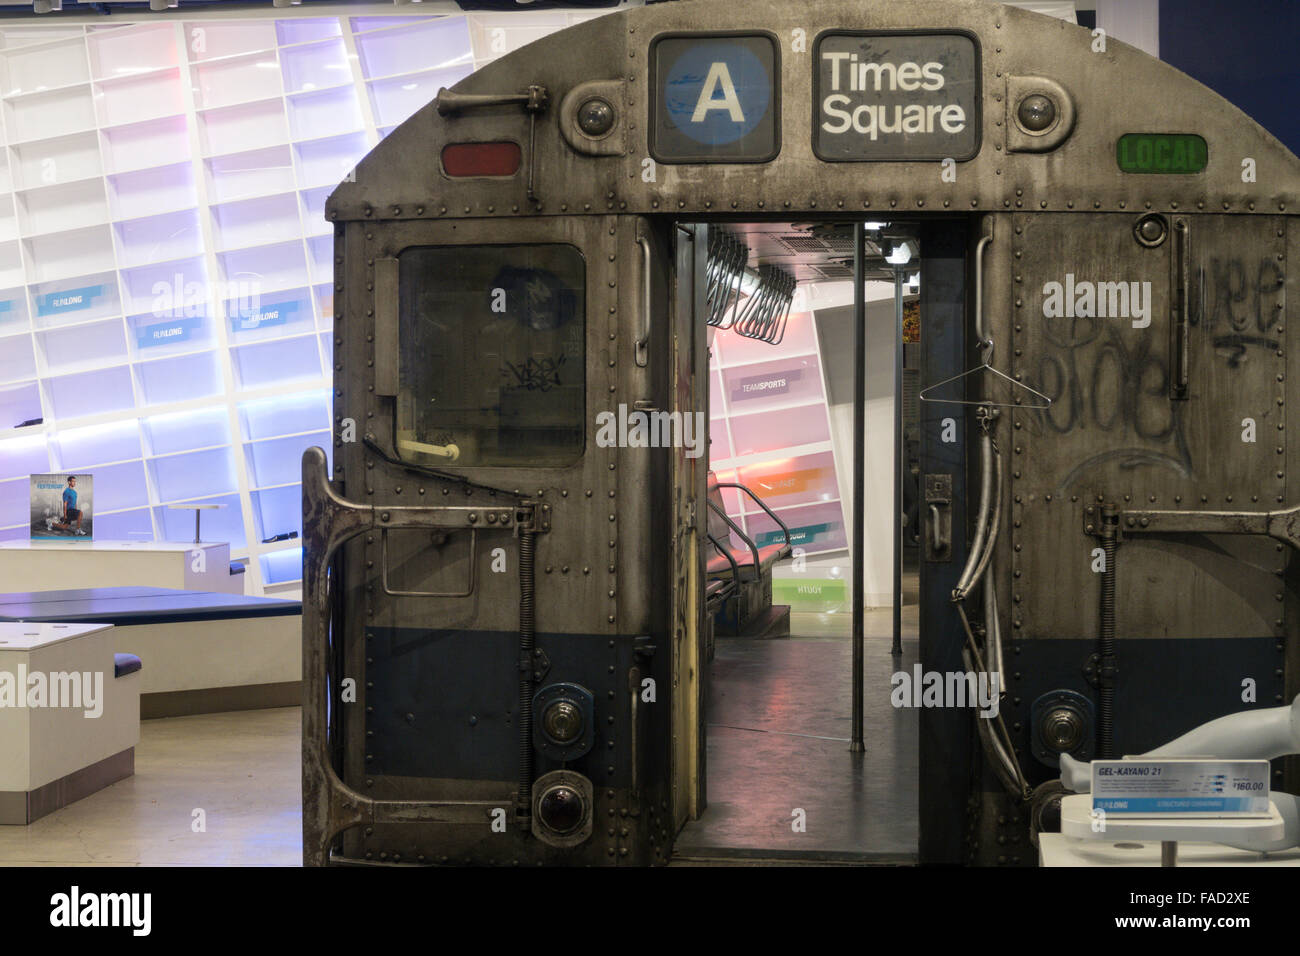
938, 499
1181, 309
643, 343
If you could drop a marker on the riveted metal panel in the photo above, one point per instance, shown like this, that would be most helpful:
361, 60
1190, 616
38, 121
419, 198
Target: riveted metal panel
1113, 432
1080, 173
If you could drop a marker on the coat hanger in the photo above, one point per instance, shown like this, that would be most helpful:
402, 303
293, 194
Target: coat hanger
985, 342
985, 367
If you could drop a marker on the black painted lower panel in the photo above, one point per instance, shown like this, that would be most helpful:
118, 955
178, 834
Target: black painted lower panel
441, 723
1164, 687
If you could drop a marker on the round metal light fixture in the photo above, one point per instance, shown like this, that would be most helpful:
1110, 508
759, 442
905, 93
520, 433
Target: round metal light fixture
561, 808
1062, 722
596, 117
563, 803
563, 722
1151, 230
1063, 729
1036, 113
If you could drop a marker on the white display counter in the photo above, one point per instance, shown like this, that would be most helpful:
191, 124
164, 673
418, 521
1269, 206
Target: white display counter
1137, 840
206, 652
64, 565
79, 735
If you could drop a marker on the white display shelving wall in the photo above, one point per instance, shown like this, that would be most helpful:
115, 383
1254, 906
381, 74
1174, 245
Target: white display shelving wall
769, 430
165, 265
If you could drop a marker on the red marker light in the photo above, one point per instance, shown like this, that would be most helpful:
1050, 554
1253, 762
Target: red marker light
480, 159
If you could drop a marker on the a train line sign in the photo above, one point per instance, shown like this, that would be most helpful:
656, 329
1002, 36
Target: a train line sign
716, 99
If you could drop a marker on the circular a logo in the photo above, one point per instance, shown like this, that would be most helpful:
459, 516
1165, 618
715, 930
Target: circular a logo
717, 93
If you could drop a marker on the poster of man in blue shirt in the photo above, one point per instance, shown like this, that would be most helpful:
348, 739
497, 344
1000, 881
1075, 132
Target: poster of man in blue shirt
61, 507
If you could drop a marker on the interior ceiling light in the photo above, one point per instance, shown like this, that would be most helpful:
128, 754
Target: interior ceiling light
46, 6
900, 255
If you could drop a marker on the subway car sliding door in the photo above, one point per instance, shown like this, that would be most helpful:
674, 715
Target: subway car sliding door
499, 612
689, 391
1159, 339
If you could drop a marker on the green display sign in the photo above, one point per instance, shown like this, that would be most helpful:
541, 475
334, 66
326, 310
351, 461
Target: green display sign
1170, 153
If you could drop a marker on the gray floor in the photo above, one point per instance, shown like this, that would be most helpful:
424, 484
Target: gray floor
778, 740
241, 769
779, 726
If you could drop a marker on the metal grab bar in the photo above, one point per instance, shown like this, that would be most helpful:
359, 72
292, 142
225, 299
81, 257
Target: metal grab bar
330, 806
986, 526
735, 568
753, 548
642, 348
448, 102
759, 501
1178, 383
985, 340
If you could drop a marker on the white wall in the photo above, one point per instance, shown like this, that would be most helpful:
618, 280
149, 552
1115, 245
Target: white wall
1136, 22
835, 329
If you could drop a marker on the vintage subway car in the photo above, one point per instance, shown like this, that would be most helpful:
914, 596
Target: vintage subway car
489, 591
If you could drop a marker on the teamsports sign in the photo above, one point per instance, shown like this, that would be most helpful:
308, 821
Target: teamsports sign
896, 97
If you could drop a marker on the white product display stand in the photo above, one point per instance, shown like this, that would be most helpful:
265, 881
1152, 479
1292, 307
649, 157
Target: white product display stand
198, 512
51, 756
1077, 826
58, 565
1057, 849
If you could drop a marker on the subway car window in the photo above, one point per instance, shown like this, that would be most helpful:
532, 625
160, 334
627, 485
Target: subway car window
492, 355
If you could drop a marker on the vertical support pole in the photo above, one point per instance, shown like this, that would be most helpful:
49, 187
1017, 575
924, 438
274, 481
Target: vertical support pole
859, 477
899, 461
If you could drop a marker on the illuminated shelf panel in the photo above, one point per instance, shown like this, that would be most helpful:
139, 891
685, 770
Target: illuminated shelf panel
145, 145
127, 51
218, 40
770, 430
249, 175
166, 269
155, 191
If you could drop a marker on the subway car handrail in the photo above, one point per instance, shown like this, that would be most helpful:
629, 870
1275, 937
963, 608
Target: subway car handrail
759, 501
753, 548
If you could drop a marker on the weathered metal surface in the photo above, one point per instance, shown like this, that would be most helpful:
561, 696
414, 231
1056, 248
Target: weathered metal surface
621, 548
1113, 432
402, 173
